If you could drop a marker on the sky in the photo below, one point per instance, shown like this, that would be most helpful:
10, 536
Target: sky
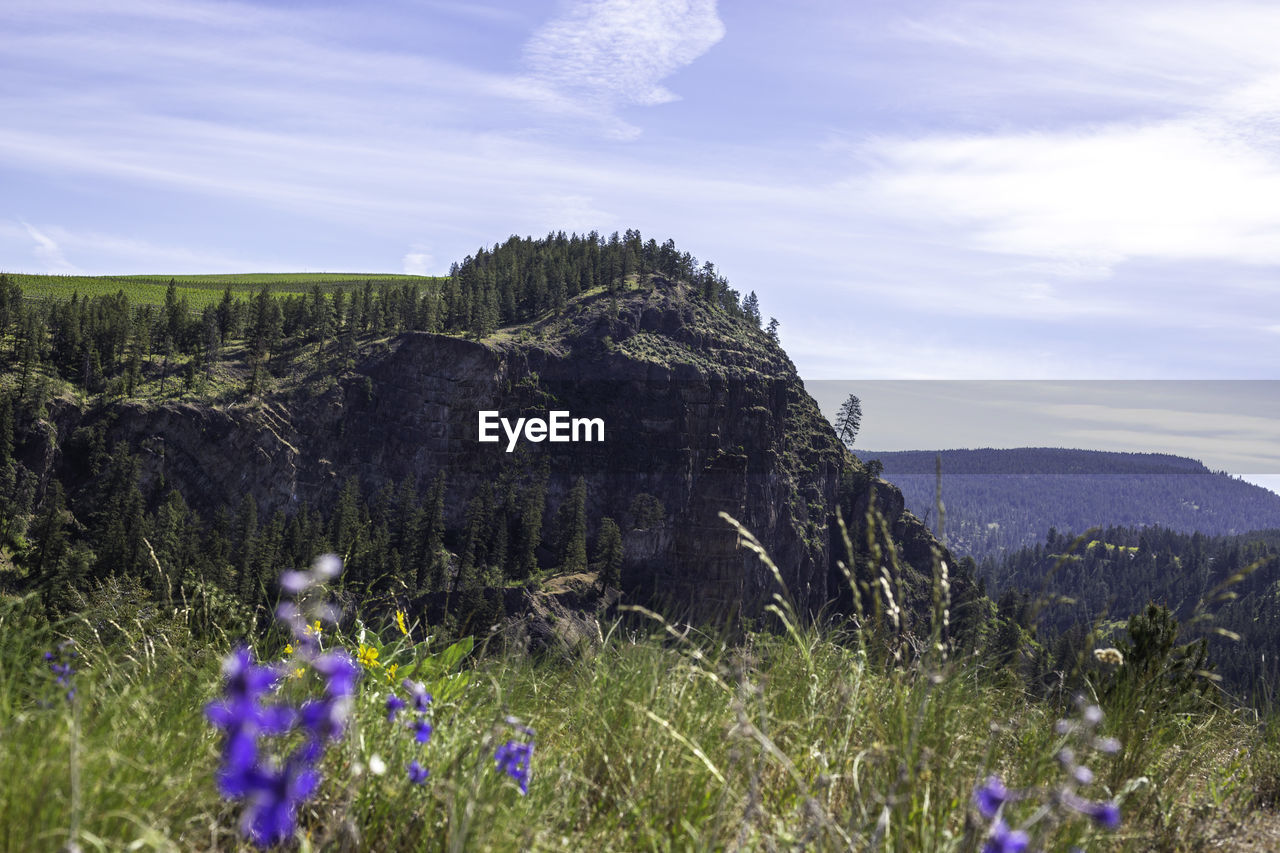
916, 190
1229, 425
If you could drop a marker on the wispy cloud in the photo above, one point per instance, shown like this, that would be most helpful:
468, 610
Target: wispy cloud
48, 252
617, 52
1191, 172
115, 253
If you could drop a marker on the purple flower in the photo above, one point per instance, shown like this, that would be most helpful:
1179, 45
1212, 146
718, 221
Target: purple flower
417, 773
991, 796
340, 672
1006, 840
421, 698
275, 796
59, 661
295, 582
422, 731
1106, 814
394, 705
513, 758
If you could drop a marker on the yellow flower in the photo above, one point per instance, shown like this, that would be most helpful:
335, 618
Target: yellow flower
368, 657
400, 623
391, 672
288, 648
315, 628
297, 673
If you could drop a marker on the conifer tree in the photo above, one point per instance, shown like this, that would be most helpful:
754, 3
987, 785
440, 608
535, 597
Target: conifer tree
573, 529
609, 554
751, 308
529, 536
431, 568
848, 420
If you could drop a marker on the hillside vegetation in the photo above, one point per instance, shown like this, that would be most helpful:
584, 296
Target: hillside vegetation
998, 501
1068, 587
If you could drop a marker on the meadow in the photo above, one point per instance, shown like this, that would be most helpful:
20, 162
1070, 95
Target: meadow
651, 737
200, 290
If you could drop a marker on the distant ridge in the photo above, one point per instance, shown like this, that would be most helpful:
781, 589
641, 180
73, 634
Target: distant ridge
997, 500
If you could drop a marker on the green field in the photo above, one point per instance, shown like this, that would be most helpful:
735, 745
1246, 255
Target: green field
201, 290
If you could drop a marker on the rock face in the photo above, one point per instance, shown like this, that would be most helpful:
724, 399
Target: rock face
701, 411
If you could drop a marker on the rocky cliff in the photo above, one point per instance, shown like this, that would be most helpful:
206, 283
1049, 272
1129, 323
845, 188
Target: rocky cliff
702, 411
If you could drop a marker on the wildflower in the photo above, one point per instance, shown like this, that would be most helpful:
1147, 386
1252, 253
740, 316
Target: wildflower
1106, 814
417, 773
513, 758
340, 672
288, 648
272, 815
1109, 745
274, 789
1006, 840
422, 731
59, 662
391, 672
368, 657
394, 705
1110, 657
421, 698
295, 583
400, 623
991, 796
376, 765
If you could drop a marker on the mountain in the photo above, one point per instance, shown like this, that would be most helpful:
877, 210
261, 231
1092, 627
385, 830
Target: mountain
997, 501
359, 436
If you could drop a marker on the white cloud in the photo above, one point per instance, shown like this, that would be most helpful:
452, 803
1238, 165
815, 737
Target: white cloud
418, 263
618, 51
1188, 189
48, 251
1191, 171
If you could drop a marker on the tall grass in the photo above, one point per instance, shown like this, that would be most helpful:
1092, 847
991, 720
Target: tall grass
658, 738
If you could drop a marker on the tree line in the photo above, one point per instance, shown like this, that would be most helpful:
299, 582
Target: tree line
109, 345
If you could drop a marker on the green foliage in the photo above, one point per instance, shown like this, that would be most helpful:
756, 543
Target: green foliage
573, 529
647, 512
608, 562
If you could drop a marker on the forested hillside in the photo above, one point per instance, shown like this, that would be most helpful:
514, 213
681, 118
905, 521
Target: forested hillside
196, 452
997, 501
1220, 587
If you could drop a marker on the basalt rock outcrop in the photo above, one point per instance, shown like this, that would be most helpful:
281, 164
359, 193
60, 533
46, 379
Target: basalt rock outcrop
702, 411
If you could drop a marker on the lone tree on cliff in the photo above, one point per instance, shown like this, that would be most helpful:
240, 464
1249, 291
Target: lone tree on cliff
848, 419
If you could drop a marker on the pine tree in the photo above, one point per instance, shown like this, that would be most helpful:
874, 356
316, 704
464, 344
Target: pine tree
431, 568
751, 308
772, 329
609, 554
848, 419
529, 535
246, 545
573, 529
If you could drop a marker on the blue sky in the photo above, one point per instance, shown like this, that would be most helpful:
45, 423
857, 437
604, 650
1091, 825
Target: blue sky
949, 190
